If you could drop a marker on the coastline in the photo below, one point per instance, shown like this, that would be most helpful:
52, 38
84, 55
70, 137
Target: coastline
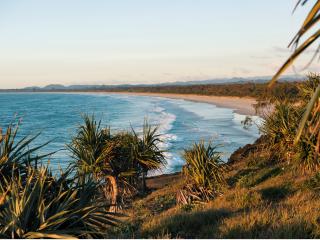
240, 105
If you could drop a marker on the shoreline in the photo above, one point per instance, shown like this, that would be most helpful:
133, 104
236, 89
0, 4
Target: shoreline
240, 105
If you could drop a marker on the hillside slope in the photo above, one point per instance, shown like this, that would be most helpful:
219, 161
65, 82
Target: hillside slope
264, 199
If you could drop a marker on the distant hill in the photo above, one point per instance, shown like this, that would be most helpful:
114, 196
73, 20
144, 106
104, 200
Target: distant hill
263, 79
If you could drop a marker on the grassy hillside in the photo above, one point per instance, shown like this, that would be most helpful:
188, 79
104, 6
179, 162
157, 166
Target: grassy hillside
269, 189
263, 200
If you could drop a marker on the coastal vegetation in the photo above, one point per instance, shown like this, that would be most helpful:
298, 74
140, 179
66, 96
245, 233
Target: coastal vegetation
35, 203
267, 189
118, 162
247, 89
203, 173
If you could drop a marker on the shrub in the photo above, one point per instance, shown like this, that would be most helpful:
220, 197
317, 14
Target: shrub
280, 128
286, 138
308, 154
36, 204
16, 156
203, 172
118, 161
49, 207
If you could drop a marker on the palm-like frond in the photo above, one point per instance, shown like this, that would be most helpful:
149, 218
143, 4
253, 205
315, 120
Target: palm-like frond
87, 146
310, 21
204, 173
51, 207
146, 149
16, 155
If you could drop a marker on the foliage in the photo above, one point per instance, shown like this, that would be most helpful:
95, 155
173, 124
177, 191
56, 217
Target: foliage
247, 122
313, 183
146, 151
256, 177
311, 113
15, 155
280, 128
118, 161
87, 147
282, 125
309, 145
204, 173
52, 207
36, 204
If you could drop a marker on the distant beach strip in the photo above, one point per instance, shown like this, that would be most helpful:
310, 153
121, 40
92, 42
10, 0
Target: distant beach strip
241, 105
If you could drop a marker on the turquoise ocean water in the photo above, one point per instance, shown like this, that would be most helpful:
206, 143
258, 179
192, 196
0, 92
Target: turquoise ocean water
181, 122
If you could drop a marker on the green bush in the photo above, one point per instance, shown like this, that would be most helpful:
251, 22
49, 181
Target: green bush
203, 172
36, 204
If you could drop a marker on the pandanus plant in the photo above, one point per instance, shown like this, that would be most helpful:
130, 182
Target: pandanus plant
280, 128
44, 206
311, 22
309, 143
87, 146
115, 160
203, 172
36, 204
147, 152
16, 155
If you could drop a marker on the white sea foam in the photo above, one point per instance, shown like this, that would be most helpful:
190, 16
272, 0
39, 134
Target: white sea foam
205, 110
165, 122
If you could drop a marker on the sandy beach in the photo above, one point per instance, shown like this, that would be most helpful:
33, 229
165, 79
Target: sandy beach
244, 105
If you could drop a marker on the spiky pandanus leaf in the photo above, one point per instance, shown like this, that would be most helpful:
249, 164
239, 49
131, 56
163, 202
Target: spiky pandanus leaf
280, 128
146, 151
204, 173
46, 206
308, 143
312, 19
16, 155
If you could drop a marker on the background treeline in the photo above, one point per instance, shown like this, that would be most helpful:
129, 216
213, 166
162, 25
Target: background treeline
249, 89
288, 89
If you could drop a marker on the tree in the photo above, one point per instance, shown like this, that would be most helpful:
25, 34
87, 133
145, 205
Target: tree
147, 152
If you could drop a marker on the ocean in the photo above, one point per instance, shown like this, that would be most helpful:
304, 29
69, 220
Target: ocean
181, 122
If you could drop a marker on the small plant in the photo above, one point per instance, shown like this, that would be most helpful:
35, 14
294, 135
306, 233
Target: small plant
247, 122
256, 177
16, 155
313, 183
280, 128
247, 199
203, 172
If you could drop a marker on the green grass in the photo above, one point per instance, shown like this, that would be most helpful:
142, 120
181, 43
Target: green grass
256, 177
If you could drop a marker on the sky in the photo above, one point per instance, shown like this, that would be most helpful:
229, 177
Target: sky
144, 41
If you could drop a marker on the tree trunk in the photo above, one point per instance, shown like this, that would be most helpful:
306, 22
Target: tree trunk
144, 184
114, 196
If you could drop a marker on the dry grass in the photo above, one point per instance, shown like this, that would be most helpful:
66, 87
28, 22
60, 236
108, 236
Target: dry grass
274, 202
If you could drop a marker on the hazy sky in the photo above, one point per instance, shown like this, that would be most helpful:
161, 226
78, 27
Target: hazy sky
142, 41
